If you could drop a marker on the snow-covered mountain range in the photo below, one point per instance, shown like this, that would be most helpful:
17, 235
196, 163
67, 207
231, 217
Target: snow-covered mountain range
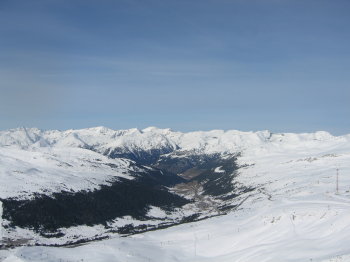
106, 141
275, 195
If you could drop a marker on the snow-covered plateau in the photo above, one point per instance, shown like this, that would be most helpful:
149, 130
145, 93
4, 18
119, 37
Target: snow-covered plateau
212, 196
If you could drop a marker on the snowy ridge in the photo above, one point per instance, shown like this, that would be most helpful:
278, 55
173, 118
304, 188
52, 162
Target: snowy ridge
55, 169
102, 139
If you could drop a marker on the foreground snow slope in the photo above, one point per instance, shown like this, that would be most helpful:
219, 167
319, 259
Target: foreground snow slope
295, 214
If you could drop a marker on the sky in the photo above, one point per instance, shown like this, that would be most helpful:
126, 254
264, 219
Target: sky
280, 65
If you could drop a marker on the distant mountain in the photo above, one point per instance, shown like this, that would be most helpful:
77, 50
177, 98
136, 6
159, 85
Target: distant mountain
162, 141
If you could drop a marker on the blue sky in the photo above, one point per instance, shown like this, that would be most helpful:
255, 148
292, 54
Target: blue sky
280, 65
